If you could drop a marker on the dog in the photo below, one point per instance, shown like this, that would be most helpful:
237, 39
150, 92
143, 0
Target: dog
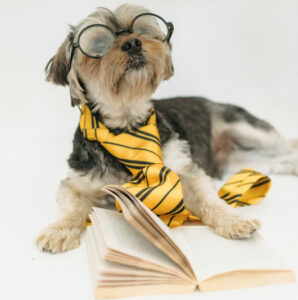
114, 61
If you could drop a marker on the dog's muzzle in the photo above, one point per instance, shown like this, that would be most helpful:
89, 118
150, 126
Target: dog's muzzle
133, 47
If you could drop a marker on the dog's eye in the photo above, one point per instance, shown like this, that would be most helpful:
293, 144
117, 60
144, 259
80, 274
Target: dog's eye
151, 26
95, 40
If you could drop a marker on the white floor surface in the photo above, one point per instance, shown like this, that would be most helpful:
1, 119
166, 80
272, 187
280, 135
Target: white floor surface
244, 52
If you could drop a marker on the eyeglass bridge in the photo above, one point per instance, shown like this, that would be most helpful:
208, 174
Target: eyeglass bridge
123, 30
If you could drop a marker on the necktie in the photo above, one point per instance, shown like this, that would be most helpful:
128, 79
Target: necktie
158, 187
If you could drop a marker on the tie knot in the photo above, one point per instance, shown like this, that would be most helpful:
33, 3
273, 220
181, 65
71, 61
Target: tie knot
136, 149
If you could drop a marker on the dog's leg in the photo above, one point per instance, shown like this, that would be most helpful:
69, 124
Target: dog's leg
200, 195
240, 139
75, 197
264, 150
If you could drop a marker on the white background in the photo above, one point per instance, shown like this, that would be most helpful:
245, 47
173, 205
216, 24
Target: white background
239, 51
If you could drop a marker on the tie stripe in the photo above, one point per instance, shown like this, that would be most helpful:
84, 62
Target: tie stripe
143, 137
158, 187
148, 135
162, 178
133, 148
137, 177
260, 183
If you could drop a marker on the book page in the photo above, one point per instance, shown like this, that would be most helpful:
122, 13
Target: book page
92, 260
211, 254
106, 270
149, 225
119, 235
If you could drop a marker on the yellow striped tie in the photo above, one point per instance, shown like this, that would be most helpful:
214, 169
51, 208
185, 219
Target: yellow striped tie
159, 188
245, 187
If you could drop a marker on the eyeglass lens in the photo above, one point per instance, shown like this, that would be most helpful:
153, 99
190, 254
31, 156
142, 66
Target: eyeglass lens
151, 26
95, 40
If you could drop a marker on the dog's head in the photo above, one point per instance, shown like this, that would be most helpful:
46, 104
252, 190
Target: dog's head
119, 56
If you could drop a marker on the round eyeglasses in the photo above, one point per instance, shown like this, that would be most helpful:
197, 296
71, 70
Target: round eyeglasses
94, 40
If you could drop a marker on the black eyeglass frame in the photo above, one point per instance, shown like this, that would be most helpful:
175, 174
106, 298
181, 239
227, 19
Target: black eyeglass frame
169, 25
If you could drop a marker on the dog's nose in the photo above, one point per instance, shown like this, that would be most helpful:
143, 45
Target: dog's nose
132, 46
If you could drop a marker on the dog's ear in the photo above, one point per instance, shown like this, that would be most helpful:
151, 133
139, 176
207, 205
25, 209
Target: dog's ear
57, 68
59, 71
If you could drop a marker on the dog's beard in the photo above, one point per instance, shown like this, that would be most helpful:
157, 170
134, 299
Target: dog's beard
118, 70
137, 81
136, 62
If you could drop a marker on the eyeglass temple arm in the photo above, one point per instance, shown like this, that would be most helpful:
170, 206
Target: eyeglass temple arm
171, 29
73, 47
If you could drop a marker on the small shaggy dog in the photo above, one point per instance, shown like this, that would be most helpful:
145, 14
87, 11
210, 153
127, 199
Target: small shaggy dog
114, 61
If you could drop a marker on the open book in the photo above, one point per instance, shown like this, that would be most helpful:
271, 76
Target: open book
134, 253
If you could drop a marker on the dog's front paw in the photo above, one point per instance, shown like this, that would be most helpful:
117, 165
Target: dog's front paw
57, 239
237, 227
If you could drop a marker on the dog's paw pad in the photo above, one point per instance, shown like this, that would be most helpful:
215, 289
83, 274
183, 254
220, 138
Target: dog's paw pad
54, 239
237, 227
